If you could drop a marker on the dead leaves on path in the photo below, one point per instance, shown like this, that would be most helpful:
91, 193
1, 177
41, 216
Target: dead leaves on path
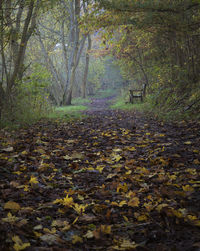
85, 185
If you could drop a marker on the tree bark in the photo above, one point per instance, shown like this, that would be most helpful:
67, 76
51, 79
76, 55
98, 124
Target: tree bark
87, 61
67, 97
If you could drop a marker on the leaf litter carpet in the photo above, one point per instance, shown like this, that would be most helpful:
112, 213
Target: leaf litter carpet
112, 181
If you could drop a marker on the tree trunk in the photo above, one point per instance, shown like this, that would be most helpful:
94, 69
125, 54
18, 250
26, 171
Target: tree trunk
18, 64
87, 61
67, 97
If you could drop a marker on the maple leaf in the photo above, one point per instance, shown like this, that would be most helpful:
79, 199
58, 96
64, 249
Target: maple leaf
10, 218
100, 168
80, 209
67, 201
33, 180
19, 245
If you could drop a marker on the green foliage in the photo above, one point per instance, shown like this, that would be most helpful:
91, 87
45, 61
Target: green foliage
31, 101
151, 51
96, 72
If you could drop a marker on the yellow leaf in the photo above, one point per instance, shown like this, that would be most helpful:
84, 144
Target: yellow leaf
80, 197
196, 162
106, 229
197, 223
122, 187
142, 217
188, 188
100, 168
125, 245
67, 201
177, 213
12, 205
57, 201
123, 202
111, 175
59, 223
80, 209
191, 217
37, 234
26, 188
75, 220
125, 218
188, 143
117, 150
116, 157
50, 231
10, 218
130, 194
24, 152
134, 202
148, 206
76, 239
131, 148
19, 245
33, 180
161, 206
113, 203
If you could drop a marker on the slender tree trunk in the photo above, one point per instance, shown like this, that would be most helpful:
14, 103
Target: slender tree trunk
67, 97
87, 61
22, 48
57, 92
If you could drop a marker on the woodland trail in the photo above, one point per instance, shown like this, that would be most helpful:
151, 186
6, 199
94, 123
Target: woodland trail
112, 181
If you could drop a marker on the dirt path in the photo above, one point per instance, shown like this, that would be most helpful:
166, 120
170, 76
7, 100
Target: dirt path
113, 181
99, 105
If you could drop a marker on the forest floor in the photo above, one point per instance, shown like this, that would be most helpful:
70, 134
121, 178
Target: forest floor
115, 180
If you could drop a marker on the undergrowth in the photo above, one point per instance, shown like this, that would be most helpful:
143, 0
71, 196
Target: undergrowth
150, 109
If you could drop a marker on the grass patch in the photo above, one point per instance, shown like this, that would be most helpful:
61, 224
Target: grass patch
106, 93
152, 111
80, 101
71, 112
120, 103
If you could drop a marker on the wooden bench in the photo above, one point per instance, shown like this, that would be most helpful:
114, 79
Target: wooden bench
134, 94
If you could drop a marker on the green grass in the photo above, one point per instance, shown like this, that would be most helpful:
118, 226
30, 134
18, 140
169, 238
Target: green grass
106, 93
71, 112
80, 101
120, 103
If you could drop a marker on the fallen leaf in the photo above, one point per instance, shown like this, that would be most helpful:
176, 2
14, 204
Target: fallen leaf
49, 238
12, 206
76, 239
10, 218
19, 245
89, 234
134, 202
8, 149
